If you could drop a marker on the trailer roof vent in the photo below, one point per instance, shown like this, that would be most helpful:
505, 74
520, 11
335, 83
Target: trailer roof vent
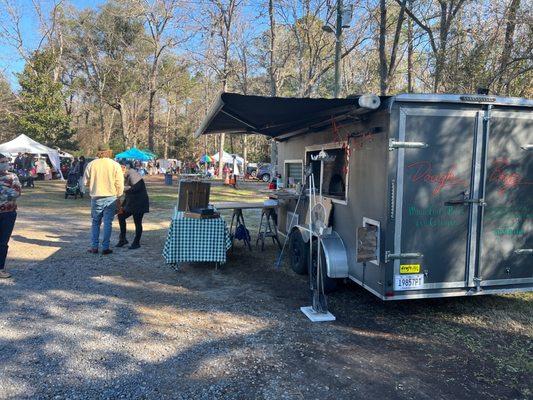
478, 99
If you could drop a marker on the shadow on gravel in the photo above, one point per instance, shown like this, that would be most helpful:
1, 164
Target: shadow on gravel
82, 326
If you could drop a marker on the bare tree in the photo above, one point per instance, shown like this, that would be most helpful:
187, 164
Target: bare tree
50, 24
446, 13
158, 14
508, 43
387, 67
222, 15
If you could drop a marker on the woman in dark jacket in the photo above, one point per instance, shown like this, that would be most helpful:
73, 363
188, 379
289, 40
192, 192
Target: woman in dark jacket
135, 204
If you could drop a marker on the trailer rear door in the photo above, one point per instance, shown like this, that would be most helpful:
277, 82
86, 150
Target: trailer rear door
507, 240
429, 180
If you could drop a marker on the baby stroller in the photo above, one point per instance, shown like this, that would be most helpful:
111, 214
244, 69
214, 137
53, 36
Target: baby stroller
73, 186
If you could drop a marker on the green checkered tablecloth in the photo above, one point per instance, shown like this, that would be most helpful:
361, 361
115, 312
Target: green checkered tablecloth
196, 240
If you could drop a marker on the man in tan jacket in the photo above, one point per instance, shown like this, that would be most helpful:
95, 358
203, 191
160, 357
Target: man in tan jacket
105, 180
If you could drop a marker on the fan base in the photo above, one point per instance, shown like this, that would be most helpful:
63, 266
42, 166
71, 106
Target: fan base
316, 316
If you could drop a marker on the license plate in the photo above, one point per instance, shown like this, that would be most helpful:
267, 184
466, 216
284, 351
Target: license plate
408, 282
409, 269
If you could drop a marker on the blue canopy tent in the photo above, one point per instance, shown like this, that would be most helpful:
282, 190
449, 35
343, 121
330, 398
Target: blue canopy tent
150, 153
134, 154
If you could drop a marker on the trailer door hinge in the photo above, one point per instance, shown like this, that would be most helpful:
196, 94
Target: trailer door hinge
401, 256
393, 145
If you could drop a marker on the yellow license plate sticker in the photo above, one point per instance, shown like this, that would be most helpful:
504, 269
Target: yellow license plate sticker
410, 269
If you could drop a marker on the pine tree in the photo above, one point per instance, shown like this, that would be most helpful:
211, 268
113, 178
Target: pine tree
42, 115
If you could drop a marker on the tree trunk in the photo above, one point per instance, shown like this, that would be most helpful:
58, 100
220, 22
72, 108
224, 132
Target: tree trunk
167, 133
245, 152
409, 55
395, 44
382, 56
441, 53
508, 42
151, 120
124, 124
109, 128
224, 87
101, 117
271, 68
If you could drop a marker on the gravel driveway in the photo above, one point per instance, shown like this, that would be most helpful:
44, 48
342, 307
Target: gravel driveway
75, 325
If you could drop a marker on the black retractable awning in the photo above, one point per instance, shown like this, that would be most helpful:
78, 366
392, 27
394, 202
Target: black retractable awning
278, 116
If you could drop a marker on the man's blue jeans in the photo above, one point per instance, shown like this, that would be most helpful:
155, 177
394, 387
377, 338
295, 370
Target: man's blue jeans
102, 208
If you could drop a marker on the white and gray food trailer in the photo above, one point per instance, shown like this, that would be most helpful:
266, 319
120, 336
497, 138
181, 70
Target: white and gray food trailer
438, 187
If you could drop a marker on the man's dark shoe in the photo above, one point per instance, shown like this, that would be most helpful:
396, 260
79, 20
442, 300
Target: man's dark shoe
94, 250
122, 242
107, 251
4, 274
134, 246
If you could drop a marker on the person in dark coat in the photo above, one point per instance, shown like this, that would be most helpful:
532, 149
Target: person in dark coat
136, 204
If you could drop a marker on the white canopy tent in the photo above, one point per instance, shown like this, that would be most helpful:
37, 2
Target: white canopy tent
25, 144
64, 154
227, 158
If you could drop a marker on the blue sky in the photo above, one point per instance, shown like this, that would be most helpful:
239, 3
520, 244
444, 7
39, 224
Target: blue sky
10, 60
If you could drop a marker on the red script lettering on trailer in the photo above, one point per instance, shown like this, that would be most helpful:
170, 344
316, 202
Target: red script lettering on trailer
423, 172
504, 178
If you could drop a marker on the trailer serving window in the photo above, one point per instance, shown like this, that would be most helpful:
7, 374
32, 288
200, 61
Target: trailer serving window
293, 172
335, 183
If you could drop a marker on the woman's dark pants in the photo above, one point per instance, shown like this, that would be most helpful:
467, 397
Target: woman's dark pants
7, 222
137, 219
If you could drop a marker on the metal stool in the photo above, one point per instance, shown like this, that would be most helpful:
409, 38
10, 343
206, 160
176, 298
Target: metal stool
266, 229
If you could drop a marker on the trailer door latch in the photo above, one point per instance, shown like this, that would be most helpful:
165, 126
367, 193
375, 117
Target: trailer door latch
480, 202
393, 145
401, 256
524, 251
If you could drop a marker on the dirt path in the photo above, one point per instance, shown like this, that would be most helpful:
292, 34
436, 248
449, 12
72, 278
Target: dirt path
75, 325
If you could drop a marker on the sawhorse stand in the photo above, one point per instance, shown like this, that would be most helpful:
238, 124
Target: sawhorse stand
268, 228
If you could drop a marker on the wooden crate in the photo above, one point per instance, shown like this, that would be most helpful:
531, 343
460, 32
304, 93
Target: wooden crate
193, 195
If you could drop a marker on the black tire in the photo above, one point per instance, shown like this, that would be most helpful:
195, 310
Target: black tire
330, 284
298, 253
265, 178
253, 174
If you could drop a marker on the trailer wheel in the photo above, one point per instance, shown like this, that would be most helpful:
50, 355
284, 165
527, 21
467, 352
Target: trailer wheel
298, 253
330, 284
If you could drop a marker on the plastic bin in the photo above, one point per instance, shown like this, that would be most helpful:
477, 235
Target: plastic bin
168, 179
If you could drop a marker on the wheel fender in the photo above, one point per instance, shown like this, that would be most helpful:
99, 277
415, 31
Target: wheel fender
335, 254
304, 232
